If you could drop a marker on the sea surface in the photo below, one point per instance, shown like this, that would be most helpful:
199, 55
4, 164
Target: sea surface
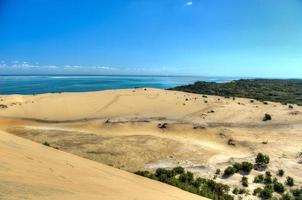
29, 84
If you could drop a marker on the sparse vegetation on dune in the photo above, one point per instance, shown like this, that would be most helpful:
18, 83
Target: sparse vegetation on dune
185, 180
283, 91
272, 188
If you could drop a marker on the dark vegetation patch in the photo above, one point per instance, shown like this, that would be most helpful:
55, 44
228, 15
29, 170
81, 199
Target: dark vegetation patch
185, 180
276, 90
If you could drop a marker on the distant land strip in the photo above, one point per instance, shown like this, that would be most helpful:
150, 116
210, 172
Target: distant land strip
285, 91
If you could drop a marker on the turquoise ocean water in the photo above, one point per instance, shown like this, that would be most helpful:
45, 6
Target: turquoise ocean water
31, 84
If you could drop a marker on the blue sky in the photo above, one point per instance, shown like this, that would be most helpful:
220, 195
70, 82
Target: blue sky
250, 38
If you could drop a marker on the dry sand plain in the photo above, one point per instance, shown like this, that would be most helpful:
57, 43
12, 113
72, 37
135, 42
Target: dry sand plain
140, 129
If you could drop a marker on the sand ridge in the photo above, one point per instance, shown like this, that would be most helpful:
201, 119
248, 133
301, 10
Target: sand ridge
138, 129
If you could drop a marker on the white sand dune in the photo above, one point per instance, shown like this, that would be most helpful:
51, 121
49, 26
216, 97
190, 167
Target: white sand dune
32, 171
120, 128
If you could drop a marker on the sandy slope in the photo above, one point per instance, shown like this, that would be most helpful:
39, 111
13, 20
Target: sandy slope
32, 171
121, 128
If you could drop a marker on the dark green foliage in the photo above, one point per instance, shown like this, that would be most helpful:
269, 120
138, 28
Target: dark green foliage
261, 161
283, 91
187, 178
266, 193
237, 167
267, 117
297, 192
259, 179
268, 173
286, 196
280, 172
178, 170
246, 167
235, 191
229, 171
218, 171
244, 181
257, 191
278, 187
289, 181
185, 181
267, 180
243, 191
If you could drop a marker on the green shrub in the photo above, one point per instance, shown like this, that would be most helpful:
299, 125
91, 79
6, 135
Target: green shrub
185, 181
235, 191
186, 178
261, 161
243, 191
290, 181
198, 182
267, 180
280, 172
218, 171
259, 179
257, 191
286, 196
246, 167
278, 187
267, 117
297, 192
178, 170
244, 181
266, 193
268, 173
237, 167
229, 171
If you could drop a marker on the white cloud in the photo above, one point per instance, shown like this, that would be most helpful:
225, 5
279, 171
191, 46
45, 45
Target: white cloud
189, 3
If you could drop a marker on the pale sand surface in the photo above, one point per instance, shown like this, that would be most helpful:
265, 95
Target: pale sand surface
120, 128
32, 171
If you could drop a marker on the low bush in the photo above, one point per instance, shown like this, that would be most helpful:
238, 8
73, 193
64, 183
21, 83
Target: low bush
286, 196
266, 193
267, 117
278, 187
280, 172
246, 167
261, 161
257, 191
229, 171
297, 193
235, 191
244, 181
259, 179
289, 181
186, 181
178, 170
267, 180
218, 171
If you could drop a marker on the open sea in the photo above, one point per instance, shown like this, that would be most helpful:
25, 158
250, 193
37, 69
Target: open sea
32, 84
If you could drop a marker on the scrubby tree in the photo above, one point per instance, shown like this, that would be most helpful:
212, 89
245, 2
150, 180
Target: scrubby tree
259, 179
178, 170
286, 196
229, 171
266, 193
278, 187
246, 167
267, 117
187, 177
244, 181
280, 172
290, 181
261, 161
257, 191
